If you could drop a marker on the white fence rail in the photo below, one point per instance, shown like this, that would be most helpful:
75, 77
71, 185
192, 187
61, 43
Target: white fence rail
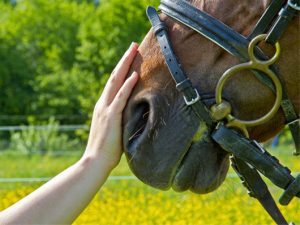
45, 179
112, 178
45, 127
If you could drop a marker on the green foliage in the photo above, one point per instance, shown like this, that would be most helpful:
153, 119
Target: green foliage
69, 92
31, 140
37, 38
55, 56
106, 34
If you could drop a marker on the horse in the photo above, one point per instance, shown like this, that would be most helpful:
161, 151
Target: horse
165, 143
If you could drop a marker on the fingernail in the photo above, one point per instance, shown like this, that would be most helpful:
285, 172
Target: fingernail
134, 74
133, 45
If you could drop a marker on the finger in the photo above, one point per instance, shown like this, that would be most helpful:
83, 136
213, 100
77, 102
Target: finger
123, 94
117, 78
126, 60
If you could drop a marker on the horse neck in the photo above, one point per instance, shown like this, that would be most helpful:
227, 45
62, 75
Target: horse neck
242, 17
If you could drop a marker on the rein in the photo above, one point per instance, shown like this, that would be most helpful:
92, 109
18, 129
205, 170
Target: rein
247, 156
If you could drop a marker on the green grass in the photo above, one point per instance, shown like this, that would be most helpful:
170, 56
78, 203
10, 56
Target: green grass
17, 165
14, 165
228, 205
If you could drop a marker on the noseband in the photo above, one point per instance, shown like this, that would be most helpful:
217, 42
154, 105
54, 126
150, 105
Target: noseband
248, 157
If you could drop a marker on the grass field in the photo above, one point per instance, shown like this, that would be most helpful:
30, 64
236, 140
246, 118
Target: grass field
132, 202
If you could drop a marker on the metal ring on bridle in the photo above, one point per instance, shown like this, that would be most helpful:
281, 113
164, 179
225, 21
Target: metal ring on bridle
257, 65
262, 65
294, 5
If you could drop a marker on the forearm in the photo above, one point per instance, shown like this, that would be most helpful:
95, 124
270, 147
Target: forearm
63, 198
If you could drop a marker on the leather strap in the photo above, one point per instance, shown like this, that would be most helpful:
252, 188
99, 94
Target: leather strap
285, 16
183, 84
257, 188
208, 26
253, 154
265, 22
292, 120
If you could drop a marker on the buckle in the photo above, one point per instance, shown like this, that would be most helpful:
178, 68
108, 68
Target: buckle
193, 100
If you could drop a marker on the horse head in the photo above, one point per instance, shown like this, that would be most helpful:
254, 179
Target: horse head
164, 144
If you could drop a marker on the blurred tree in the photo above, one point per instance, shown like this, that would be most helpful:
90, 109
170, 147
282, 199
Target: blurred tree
108, 32
37, 38
55, 56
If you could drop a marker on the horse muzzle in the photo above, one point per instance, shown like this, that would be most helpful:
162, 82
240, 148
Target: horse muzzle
161, 149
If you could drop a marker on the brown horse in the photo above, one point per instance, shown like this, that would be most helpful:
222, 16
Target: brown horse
164, 145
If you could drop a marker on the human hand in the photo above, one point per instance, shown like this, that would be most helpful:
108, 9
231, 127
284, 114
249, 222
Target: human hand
105, 140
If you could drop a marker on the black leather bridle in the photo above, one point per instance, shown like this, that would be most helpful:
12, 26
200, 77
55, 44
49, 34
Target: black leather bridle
248, 157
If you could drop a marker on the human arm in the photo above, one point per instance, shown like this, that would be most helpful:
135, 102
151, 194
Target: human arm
64, 197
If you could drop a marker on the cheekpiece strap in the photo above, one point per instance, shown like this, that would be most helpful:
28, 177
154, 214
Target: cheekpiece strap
285, 16
183, 84
267, 18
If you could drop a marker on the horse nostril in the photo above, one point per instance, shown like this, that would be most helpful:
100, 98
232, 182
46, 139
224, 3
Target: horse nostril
137, 124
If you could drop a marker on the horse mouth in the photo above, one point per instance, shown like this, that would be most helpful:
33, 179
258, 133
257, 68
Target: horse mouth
199, 167
171, 150
178, 182
200, 174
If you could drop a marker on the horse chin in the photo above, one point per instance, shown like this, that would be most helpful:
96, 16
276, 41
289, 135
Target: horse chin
203, 169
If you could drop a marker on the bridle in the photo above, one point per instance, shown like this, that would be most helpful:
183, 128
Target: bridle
247, 156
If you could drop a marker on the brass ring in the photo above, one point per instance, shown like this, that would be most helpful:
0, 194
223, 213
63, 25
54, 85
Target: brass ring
252, 56
257, 65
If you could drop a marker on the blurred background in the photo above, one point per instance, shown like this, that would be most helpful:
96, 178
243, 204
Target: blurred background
55, 58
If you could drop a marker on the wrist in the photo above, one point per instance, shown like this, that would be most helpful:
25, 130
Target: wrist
98, 162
